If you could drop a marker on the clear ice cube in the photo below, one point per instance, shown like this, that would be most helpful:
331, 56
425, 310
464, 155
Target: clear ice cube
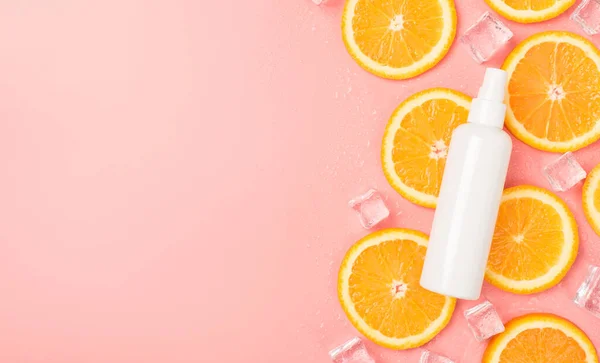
484, 321
587, 15
564, 173
588, 294
370, 207
485, 37
430, 357
352, 351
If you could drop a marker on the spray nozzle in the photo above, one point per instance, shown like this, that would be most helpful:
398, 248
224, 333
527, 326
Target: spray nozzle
489, 108
494, 83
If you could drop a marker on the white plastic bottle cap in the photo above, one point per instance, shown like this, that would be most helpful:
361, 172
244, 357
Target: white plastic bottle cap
488, 108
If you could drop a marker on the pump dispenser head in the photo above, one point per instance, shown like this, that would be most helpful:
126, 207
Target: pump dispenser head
488, 108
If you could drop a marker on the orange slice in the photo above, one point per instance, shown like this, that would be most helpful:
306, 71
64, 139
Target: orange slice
416, 141
378, 287
591, 198
530, 11
535, 241
553, 88
398, 39
540, 338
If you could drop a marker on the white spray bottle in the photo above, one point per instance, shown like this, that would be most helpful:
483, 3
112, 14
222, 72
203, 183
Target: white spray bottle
470, 196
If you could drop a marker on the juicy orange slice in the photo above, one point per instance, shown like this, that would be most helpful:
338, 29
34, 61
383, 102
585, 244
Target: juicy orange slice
553, 90
530, 11
378, 287
398, 39
591, 198
535, 241
540, 338
416, 141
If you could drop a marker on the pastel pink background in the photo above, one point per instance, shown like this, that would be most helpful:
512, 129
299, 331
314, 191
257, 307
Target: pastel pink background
175, 177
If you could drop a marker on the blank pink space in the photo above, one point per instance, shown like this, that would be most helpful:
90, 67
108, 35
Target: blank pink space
175, 179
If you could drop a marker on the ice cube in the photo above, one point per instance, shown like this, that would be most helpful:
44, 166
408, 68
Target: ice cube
353, 351
484, 321
485, 37
370, 207
587, 15
430, 357
564, 173
588, 294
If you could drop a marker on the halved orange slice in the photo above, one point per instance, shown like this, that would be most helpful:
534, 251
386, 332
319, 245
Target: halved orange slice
553, 91
530, 11
591, 198
378, 287
416, 140
398, 39
535, 241
540, 338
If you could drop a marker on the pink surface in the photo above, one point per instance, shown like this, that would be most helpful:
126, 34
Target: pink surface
175, 180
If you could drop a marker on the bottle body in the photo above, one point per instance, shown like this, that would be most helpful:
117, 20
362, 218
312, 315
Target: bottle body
467, 210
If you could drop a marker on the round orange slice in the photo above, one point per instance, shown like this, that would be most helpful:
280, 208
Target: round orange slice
398, 39
416, 140
535, 241
378, 287
530, 11
540, 338
553, 88
591, 199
